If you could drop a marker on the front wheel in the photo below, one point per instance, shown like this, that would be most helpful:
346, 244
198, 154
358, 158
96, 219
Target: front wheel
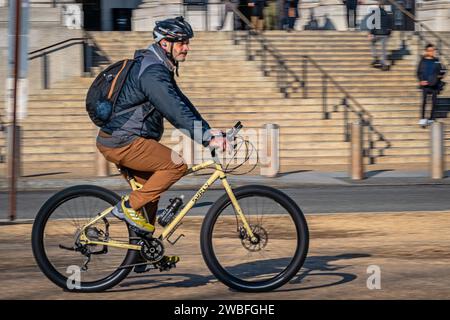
267, 263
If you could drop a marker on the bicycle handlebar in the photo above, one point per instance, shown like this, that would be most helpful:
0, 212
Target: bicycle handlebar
230, 135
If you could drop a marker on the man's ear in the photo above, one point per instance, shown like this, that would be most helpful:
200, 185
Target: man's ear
164, 44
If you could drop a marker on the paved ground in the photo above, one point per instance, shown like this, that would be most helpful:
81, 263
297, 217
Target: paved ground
284, 180
410, 248
312, 199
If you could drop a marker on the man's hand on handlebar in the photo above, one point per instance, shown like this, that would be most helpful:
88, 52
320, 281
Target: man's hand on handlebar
219, 141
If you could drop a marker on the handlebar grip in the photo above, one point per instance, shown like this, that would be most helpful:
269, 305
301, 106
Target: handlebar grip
231, 134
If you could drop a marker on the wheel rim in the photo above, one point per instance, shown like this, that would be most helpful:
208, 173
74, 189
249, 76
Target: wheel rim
61, 227
264, 260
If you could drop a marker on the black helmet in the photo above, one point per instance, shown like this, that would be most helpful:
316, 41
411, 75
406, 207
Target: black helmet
173, 30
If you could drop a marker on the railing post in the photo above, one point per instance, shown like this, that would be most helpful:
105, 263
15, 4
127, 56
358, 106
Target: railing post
324, 97
346, 124
356, 151
45, 71
249, 46
264, 56
278, 66
283, 80
270, 163
87, 57
305, 77
371, 143
439, 46
437, 150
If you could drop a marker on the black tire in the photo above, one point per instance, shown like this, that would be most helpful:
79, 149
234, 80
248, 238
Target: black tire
37, 239
295, 263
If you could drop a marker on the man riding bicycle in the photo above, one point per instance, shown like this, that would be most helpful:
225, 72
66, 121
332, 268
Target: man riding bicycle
131, 139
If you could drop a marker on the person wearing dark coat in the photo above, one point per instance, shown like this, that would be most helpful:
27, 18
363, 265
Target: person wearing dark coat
430, 72
291, 13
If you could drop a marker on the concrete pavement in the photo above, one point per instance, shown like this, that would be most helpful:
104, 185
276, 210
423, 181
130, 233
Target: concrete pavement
286, 180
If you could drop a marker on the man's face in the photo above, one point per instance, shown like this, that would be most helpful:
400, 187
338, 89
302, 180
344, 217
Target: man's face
430, 52
179, 50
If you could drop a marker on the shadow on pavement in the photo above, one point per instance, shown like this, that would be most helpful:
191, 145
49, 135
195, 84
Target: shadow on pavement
315, 266
373, 173
292, 172
321, 266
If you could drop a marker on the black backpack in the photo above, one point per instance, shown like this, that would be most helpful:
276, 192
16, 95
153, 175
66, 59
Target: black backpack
104, 91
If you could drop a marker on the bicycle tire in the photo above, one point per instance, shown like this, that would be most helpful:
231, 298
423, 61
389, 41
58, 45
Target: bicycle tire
255, 286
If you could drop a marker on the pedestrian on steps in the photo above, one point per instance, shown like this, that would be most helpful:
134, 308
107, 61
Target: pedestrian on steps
430, 72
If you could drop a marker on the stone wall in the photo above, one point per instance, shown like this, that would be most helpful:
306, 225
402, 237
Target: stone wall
150, 11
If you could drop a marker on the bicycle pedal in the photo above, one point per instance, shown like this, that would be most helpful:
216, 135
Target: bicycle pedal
166, 266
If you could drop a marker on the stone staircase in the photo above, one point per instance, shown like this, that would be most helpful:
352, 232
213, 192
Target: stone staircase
58, 137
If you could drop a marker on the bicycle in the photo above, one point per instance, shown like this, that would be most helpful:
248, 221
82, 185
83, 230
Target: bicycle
242, 247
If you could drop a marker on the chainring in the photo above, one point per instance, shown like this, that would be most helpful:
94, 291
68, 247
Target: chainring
152, 250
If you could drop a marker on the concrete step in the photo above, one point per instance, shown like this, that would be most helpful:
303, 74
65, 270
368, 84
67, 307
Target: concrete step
242, 116
267, 87
348, 75
78, 109
231, 102
33, 123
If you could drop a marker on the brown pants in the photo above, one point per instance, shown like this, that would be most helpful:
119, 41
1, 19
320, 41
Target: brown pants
154, 165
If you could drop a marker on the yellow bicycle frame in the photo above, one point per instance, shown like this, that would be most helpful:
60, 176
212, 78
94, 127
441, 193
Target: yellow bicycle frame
168, 230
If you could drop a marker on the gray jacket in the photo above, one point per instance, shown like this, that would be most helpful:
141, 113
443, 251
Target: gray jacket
150, 85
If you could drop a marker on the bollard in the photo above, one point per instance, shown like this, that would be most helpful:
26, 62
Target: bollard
437, 150
270, 164
356, 152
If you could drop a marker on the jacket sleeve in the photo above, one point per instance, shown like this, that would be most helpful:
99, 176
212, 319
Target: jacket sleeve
156, 83
420, 70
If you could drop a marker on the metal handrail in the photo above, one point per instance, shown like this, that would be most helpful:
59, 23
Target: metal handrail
88, 43
441, 42
364, 116
43, 51
421, 24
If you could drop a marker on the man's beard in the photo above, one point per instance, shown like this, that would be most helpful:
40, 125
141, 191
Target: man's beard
181, 57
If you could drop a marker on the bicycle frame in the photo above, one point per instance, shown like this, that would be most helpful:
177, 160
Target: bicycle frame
169, 229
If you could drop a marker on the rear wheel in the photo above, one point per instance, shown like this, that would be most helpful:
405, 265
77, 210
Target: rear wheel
270, 260
57, 250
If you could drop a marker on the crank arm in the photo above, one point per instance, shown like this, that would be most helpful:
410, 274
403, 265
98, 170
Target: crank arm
136, 264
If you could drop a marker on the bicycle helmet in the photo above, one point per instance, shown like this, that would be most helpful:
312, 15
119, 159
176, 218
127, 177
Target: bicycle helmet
173, 30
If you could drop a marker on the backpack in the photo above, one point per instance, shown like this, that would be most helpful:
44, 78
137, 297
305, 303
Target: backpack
104, 91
